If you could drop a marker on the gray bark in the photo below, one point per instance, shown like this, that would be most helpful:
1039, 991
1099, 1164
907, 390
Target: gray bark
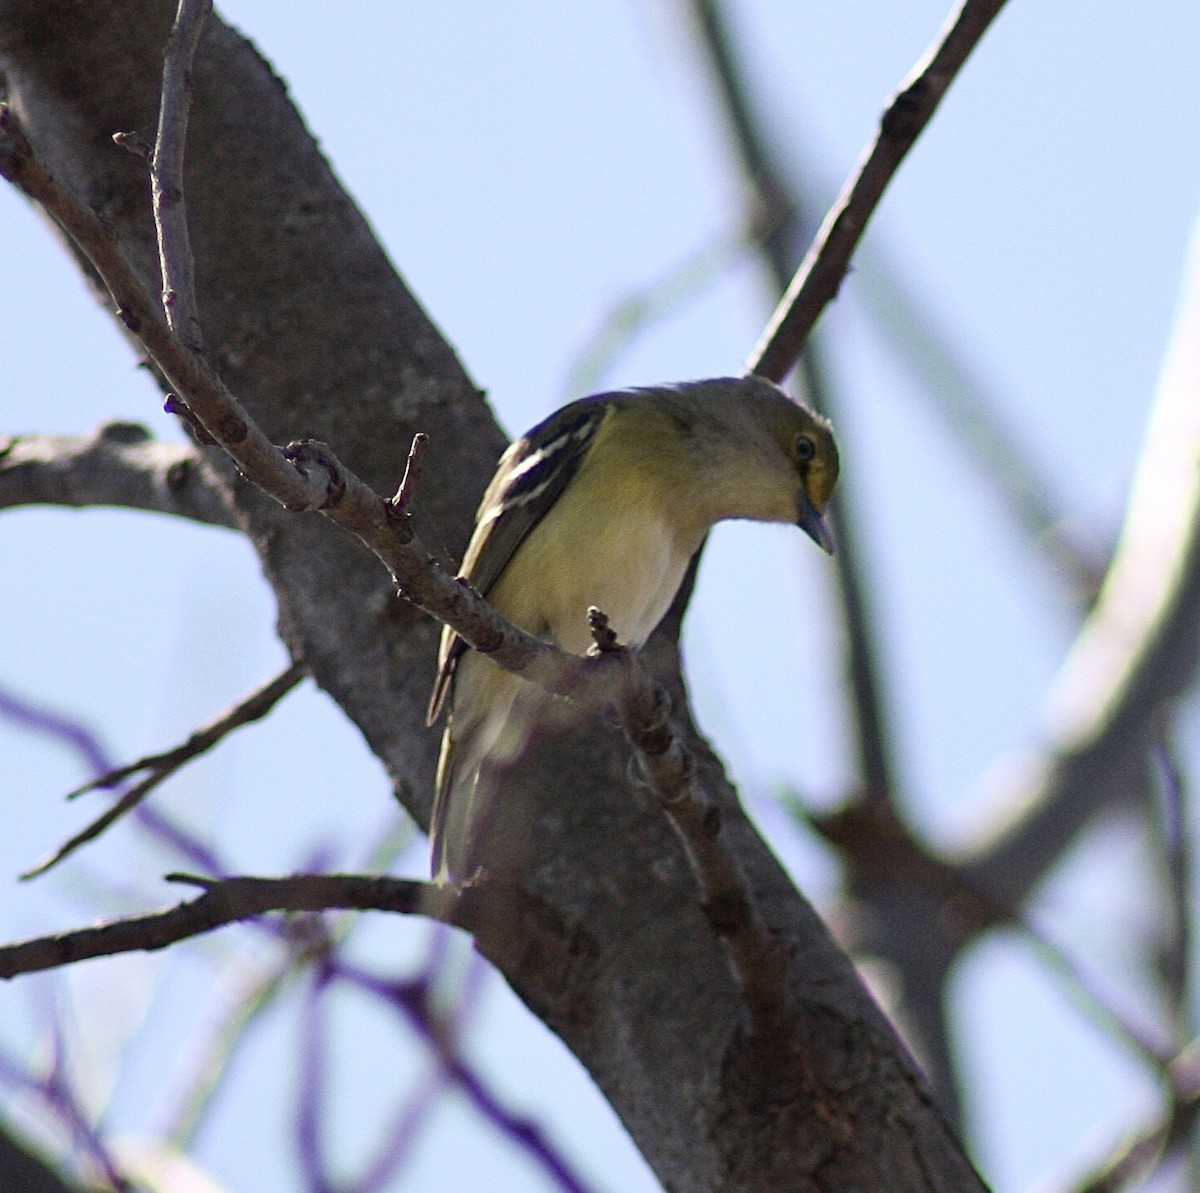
312, 328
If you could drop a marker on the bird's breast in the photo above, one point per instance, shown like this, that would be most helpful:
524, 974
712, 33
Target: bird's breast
628, 564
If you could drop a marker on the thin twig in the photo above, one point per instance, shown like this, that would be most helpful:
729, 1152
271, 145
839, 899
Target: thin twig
776, 208
166, 174
634, 313
1176, 844
412, 473
161, 766
979, 416
411, 999
226, 901
1136, 1159
820, 275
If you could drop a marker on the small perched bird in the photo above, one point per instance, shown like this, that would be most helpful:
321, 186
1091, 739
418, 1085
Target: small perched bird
605, 503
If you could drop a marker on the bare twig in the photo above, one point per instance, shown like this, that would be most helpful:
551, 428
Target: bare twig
976, 413
118, 464
634, 313
161, 766
480, 909
412, 473
667, 768
777, 211
820, 275
55, 724
226, 901
412, 1000
1136, 1159
166, 175
1176, 844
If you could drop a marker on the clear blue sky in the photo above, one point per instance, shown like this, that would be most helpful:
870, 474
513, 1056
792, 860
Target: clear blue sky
529, 166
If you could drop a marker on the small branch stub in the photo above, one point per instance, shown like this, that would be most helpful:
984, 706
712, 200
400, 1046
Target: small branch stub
316, 463
400, 500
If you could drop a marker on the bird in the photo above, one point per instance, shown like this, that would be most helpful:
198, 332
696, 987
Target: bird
604, 504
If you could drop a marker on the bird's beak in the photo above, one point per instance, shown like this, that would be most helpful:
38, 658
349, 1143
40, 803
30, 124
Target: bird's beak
814, 525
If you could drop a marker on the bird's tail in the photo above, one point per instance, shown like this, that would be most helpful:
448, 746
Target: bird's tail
484, 739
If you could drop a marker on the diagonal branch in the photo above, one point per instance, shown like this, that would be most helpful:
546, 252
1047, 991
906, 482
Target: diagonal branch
1139, 649
820, 275
307, 476
668, 769
161, 766
225, 901
777, 208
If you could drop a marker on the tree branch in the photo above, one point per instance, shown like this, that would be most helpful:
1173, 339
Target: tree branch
166, 175
118, 464
1138, 651
819, 277
161, 766
227, 901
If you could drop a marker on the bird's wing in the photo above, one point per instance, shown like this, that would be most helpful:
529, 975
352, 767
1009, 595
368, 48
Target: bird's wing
530, 478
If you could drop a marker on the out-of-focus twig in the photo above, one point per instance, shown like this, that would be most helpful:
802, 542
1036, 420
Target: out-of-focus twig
635, 312
975, 414
1136, 1159
1175, 835
255, 988
776, 209
1137, 652
411, 999
65, 729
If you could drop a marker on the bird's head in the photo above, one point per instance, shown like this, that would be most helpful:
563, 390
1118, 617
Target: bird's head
806, 441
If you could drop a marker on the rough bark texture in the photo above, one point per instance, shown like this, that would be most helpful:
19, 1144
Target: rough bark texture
312, 328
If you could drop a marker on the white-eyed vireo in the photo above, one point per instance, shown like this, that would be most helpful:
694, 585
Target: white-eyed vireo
605, 503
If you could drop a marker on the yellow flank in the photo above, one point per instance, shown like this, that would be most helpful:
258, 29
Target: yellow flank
609, 542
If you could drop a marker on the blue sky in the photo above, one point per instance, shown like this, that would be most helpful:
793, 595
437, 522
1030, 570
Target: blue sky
528, 167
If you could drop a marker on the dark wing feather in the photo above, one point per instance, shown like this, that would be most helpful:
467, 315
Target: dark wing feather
530, 478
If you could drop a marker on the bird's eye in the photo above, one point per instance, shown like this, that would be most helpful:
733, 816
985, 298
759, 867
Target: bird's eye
805, 449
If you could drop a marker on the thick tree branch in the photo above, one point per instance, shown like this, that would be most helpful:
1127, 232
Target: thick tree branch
384, 527
118, 464
312, 329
